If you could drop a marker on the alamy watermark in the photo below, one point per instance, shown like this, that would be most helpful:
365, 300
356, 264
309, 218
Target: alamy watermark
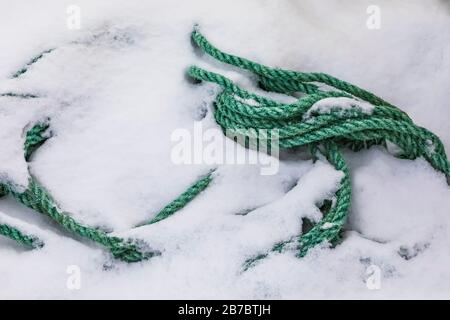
239, 146
373, 280
73, 21
74, 277
373, 22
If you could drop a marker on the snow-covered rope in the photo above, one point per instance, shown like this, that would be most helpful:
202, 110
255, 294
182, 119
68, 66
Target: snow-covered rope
297, 124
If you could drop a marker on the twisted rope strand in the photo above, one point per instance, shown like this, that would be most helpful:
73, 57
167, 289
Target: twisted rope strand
20, 237
280, 77
182, 200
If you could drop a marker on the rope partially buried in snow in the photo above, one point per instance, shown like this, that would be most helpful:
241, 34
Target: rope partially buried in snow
17, 235
238, 110
296, 125
37, 198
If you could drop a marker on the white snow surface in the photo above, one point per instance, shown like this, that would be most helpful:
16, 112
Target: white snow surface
116, 89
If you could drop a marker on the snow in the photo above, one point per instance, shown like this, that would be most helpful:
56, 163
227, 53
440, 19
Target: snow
116, 90
327, 225
340, 104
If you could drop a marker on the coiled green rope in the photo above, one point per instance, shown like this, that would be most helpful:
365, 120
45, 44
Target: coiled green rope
235, 110
238, 110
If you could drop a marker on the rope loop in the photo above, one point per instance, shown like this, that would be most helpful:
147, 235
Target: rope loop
365, 121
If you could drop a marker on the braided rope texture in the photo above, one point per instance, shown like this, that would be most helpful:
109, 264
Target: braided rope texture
238, 110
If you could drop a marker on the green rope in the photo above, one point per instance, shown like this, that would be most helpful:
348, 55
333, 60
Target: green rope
35, 197
322, 133
20, 237
235, 112
27, 240
38, 199
27, 66
35, 137
182, 200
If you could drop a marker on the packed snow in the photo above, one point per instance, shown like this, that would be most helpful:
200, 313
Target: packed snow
115, 90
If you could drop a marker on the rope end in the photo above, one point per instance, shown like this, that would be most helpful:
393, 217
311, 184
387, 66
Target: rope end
190, 77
